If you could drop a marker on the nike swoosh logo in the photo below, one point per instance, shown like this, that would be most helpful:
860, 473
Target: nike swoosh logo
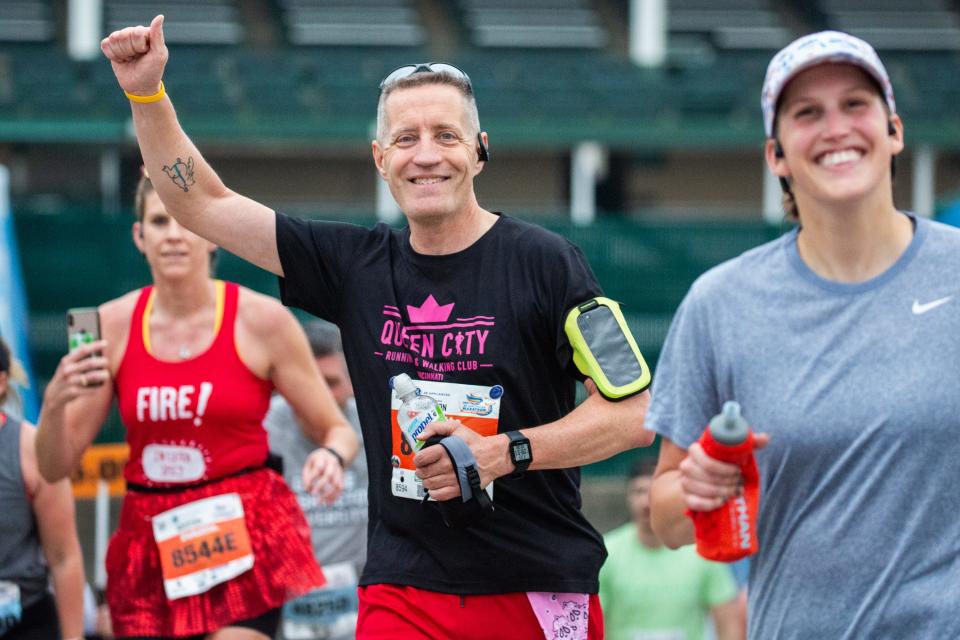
919, 309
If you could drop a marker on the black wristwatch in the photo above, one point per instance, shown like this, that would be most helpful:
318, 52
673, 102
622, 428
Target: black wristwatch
520, 453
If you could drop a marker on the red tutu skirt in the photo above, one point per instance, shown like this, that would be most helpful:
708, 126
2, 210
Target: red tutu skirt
284, 566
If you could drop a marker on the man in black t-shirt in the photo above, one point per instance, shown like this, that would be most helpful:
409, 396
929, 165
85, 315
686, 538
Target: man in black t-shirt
471, 304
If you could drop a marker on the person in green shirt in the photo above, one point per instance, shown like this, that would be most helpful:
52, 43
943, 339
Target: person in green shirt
650, 592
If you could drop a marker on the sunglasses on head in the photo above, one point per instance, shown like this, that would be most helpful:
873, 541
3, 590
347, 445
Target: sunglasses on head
425, 67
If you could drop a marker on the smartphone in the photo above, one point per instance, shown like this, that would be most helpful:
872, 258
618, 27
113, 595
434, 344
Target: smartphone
83, 326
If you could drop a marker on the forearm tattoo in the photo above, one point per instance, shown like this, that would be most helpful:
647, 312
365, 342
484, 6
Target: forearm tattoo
181, 173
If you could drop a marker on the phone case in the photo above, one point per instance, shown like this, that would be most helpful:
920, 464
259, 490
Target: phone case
83, 326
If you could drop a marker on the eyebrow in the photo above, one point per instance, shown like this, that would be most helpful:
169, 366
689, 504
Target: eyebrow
438, 127
807, 99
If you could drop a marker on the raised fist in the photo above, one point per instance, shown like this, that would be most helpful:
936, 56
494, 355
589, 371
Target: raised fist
138, 56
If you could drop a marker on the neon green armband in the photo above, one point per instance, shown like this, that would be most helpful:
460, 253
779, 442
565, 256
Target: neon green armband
604, 349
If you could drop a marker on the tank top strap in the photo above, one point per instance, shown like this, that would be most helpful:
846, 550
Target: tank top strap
228, 294
135, 343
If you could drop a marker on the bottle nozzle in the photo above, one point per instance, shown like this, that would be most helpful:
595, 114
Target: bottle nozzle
729, 427
731, 410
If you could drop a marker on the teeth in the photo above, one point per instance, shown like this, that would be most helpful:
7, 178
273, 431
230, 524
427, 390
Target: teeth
427, 180
838, 157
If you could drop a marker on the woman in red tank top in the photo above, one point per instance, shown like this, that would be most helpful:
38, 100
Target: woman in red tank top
210, 539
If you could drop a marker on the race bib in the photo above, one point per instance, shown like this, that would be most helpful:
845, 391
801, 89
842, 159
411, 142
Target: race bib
202, 544
477, 407
562, 616
172, 463
10, 608
327, 613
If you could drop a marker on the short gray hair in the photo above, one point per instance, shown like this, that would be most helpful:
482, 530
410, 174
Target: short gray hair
324, 338
425, 78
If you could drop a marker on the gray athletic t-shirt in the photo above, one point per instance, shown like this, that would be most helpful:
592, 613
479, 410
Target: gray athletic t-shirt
339, 530
859, 387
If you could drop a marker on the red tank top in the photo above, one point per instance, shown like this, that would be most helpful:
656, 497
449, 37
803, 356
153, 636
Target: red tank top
193, 420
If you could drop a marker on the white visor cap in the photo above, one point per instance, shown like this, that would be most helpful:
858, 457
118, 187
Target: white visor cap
814, 49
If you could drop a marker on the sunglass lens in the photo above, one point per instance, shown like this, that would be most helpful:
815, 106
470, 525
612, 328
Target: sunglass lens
397, 74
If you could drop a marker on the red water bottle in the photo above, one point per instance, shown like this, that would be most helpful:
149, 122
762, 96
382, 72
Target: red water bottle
729, 532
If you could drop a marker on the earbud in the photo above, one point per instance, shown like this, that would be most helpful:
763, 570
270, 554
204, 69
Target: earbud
891, 130
482, 153
778, 153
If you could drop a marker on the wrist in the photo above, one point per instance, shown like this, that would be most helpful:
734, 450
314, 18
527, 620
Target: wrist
519, 452
335, 454
146, 99
504, 465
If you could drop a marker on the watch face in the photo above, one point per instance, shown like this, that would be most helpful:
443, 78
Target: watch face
521, 452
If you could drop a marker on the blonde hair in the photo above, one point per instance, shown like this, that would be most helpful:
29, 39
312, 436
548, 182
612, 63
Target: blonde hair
16, 374
144, 188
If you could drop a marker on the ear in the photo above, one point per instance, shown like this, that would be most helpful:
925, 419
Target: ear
777, 165
896, 134
378, 158
137, 232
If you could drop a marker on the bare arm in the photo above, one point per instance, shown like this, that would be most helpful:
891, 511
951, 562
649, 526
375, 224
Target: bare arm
667, 504
190, 189
730, 619
595, 430
296, 377
72, 412
54, 510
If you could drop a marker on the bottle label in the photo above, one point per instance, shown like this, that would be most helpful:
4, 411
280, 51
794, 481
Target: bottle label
476, 407
417, 421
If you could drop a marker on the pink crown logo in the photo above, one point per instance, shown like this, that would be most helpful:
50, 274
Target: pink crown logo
429, 311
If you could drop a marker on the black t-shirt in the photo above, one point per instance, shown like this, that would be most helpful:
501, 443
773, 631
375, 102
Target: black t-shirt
489, 315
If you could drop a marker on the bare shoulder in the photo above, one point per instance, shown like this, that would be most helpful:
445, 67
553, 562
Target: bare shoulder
28, 457
115, 316
261, 315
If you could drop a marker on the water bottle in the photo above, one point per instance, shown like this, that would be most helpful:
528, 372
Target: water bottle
416, 411
729, 532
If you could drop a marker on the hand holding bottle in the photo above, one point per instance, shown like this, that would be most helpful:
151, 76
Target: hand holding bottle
722, 488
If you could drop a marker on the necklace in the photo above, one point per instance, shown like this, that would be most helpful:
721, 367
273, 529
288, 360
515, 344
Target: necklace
184, 351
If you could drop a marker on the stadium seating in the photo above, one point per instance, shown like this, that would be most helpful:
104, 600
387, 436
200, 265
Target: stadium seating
381, 23
185, 21
533, 24
26, 21
320, 79
890, 24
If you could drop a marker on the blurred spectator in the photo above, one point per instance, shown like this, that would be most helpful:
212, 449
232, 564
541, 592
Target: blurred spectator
339, 529
38, 535
650, 592
96, 617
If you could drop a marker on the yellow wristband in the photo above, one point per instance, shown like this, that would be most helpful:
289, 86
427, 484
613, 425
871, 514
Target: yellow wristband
148, 99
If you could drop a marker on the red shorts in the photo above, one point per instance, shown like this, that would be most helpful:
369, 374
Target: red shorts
284, 566
393, 612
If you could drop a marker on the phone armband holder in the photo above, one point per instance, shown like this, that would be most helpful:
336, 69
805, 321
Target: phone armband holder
604, 349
